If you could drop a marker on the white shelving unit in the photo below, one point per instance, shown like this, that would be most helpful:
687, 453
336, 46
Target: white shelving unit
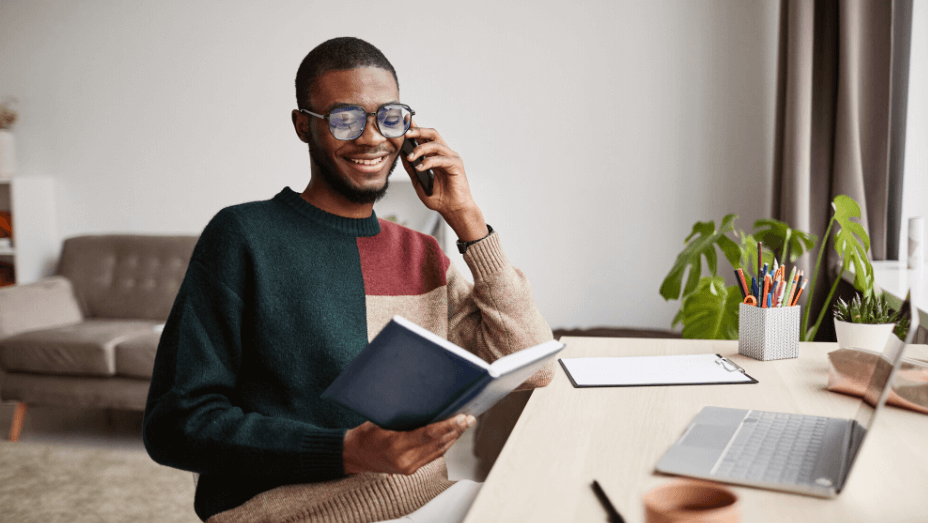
35, 245
402, 204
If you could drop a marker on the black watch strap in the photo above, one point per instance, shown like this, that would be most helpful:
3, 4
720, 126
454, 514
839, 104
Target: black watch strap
462, 246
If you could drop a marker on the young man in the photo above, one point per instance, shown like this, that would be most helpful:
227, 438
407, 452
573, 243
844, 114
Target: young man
281, 294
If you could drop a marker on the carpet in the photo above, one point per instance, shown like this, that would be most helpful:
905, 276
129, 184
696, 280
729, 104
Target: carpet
52, 484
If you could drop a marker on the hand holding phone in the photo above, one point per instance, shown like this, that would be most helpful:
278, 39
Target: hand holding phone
426, 177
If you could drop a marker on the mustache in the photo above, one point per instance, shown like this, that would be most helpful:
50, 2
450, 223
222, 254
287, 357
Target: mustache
375, 150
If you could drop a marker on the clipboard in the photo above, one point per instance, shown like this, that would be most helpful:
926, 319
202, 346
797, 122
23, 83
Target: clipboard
648, 371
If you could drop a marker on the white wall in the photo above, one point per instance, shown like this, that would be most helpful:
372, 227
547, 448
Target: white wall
595, 133
915, 188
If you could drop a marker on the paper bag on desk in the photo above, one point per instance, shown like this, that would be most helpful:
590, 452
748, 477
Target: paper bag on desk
850, 370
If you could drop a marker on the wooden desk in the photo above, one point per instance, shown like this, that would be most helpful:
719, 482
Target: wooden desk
567, 437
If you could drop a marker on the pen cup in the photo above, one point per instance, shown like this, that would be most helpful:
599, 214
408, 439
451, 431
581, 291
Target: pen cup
768, 333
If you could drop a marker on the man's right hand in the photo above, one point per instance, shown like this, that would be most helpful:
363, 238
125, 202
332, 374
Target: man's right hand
369, 448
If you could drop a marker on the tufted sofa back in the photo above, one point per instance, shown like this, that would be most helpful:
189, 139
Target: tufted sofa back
126, 276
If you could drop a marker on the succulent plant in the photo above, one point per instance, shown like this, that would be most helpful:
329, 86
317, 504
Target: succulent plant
871, 309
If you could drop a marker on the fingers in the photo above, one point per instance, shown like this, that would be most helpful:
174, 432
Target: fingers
430, 149
451, 165
449, 428
424, 134
435, 440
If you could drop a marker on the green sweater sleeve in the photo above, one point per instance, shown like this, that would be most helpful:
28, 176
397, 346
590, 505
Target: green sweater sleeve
192, 420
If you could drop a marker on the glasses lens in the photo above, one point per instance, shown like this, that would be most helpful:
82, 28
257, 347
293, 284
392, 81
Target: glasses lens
347, 123
394, 120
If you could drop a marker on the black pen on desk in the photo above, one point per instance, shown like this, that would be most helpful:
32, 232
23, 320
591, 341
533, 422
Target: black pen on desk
614, 515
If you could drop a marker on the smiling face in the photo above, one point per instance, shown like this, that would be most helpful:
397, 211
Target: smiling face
356, 170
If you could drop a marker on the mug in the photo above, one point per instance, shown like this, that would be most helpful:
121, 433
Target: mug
691, 501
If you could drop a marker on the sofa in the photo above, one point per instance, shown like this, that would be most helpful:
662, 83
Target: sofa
87, 336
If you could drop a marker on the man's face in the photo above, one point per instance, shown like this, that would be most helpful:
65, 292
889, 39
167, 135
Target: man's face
356, 169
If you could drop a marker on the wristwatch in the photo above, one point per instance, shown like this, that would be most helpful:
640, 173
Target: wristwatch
462, 246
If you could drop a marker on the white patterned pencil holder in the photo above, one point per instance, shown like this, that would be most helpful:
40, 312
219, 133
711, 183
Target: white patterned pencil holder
768, 334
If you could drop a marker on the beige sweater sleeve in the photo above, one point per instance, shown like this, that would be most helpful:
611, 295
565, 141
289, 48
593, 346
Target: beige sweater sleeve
496, 315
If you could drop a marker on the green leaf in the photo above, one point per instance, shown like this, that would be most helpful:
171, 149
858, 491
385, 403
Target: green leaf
711, 311
789, 244
852, 243
748, 261
701, 243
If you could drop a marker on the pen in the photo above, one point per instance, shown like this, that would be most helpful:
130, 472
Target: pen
614, 515
760, 256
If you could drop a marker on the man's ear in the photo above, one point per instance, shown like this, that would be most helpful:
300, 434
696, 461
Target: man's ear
300, 125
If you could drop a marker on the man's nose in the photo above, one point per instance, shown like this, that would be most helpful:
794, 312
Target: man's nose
371, 134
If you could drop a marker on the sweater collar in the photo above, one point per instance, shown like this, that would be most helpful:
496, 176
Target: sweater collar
369, 226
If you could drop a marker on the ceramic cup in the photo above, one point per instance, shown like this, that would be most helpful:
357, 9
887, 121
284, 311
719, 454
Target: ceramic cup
691, 501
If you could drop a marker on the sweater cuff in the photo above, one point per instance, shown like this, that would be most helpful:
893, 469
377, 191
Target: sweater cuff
321, 455
486, 257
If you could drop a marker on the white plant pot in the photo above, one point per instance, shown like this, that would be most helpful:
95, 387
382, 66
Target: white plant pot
7, 155
866, 336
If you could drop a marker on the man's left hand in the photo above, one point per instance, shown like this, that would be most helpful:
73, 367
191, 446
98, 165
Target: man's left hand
451, 196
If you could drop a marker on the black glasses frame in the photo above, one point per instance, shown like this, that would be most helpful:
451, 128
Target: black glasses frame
327, 117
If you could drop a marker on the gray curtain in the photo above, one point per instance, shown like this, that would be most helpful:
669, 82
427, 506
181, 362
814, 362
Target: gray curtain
841, 94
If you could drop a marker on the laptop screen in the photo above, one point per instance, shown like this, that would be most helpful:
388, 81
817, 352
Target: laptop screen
879, 387
880, 382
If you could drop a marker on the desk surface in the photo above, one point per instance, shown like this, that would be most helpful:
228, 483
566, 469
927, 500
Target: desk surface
568, 437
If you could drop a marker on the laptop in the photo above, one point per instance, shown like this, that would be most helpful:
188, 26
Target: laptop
805, 454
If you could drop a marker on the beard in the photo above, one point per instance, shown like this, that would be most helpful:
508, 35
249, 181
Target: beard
341, 185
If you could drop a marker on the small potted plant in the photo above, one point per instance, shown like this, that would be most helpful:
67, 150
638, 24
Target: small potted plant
866, 322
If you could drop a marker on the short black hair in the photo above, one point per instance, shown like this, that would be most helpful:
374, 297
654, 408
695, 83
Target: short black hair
341, 53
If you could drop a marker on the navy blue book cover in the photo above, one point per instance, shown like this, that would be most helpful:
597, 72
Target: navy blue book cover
403, 380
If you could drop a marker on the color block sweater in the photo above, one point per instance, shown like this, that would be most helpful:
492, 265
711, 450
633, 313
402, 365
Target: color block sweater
278, 298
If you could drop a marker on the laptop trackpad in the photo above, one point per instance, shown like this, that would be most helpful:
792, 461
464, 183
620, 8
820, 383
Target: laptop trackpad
708, 436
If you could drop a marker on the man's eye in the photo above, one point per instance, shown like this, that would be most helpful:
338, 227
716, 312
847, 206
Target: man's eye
344, 119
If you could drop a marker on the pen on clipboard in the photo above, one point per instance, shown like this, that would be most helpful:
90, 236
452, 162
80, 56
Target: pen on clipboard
729, 365
614, 515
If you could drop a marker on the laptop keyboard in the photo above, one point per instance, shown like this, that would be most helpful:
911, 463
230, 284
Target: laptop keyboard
774, 448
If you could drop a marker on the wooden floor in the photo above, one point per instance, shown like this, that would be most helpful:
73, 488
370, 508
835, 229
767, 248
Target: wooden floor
122, 430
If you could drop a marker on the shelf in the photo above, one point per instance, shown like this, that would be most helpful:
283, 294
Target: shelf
30, 201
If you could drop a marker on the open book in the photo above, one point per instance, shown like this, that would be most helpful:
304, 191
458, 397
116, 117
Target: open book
408, 377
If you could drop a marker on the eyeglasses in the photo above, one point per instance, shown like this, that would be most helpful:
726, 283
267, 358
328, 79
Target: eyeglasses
348, 122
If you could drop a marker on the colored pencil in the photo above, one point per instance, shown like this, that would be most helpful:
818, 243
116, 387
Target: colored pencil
798, 294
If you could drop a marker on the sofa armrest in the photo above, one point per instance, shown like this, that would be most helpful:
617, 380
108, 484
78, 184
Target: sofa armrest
41, 305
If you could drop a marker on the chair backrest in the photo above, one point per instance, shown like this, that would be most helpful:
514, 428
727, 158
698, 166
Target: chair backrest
124, 275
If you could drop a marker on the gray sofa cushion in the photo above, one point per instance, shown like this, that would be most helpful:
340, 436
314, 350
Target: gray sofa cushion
135, 357
81, 349
76, 391
126, 276
45, 304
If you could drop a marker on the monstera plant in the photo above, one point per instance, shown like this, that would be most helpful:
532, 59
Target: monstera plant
709, 307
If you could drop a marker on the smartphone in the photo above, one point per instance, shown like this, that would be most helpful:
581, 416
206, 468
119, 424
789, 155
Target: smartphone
426, 177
